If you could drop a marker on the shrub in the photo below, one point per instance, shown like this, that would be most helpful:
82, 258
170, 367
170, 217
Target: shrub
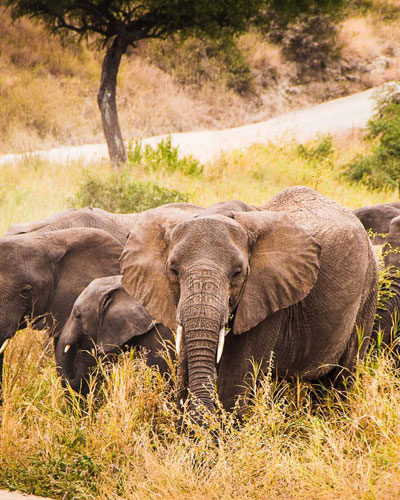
312, 42
164, 156
119, 194
381, 168
195, 62
322, 151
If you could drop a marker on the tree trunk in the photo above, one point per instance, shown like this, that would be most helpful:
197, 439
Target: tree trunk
106, 99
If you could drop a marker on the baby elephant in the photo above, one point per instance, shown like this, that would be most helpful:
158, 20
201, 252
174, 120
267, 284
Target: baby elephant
105, 317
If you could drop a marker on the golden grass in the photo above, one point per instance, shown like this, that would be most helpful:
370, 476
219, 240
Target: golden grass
123, 442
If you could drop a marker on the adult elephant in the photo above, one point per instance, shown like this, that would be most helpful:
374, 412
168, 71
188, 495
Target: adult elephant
118, 225
386, 325
21, 235
298, 274
377, 218
42, 274
105, 317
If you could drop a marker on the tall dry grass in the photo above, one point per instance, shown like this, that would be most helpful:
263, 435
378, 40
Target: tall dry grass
123, 441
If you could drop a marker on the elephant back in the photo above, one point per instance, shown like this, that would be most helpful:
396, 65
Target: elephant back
322, 217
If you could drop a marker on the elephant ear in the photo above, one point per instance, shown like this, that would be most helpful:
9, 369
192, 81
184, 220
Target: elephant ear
143, 261
124, 319
78, 256
284, 266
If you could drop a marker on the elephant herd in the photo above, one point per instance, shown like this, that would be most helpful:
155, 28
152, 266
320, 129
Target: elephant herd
292, 282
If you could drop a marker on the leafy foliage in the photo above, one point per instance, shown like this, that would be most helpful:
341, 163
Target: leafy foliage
311, 41
133, 20
164, 156
381, 168
320, 151
117, 193
196, 61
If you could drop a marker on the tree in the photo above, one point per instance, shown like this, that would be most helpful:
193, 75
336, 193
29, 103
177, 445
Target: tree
118, 24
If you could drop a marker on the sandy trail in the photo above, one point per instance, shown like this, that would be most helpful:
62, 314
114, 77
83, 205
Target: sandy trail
8, 495
340, 115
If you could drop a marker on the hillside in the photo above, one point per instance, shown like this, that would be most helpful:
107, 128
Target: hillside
48, 87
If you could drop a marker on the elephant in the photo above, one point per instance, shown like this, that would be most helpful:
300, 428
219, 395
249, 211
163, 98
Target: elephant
389, 311
105, 317
294, 280
391, 249
118, 225
41, 275
386, 327
377, 218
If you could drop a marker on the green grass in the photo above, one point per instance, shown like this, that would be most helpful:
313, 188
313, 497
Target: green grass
123, 443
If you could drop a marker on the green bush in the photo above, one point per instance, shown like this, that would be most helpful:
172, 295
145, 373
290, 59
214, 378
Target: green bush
164, 156
119, 194
195, 62
381, 168
319, 152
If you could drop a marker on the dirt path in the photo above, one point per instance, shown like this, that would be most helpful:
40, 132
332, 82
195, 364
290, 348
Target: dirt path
339, 115
8, 495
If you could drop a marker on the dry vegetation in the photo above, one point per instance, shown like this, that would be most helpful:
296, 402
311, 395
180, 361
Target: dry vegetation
48, 88
123, 443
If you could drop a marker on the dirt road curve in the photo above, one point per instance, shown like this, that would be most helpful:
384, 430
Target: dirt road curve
339, 115
8, 495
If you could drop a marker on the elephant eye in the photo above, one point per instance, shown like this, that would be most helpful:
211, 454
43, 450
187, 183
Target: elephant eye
106, 301
174, 269
237, 273
26, 291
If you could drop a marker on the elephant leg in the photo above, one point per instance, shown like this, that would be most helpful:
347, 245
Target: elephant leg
359, 340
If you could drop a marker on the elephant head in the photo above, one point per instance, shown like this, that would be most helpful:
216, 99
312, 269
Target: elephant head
392, 246
193, 271
44, 273
105, 317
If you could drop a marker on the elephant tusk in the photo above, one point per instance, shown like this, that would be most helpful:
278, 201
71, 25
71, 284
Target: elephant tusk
4, 345
178, 339
67, 348
221, 342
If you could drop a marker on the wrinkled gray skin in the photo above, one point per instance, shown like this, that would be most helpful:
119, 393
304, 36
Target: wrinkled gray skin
299, 274
377, 218
43, 274
107, 318
118, 225
392, 247
384, 321
383, 326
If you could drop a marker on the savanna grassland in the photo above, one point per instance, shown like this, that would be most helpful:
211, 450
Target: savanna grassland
122, 443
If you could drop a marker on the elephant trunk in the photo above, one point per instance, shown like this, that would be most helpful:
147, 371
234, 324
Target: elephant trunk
203, 311
74, 358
